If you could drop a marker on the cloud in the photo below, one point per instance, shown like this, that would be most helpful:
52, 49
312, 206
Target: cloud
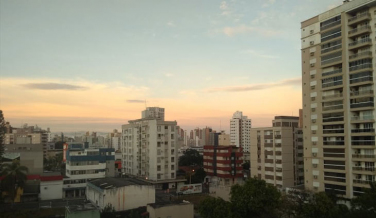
268, 3
53, 86
135, 101
259, 54
171, 24
243, 29
169, 75
253, 87
225, 8
223, 5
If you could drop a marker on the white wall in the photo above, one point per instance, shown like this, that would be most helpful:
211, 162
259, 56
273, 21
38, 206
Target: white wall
50, 190
123, 198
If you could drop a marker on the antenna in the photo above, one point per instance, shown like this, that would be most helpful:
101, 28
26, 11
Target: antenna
145, 104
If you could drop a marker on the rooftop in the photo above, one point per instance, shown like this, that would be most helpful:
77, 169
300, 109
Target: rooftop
81, 207
168, 203
108, 183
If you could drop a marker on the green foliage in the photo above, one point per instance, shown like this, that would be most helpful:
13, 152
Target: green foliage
2, 134
246, 165
191, 158
54, 163
108, 211
14, 177
320, 205
254, 199
198, 176
215, 208
365, 205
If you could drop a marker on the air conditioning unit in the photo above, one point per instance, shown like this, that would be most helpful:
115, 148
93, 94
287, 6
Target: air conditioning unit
312, 53
313, 121
311, 42
311, 31
313, 131
315, 165
314, 154
315, 177
312, 65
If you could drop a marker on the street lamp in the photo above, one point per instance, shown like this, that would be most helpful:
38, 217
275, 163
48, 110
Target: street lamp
190, 176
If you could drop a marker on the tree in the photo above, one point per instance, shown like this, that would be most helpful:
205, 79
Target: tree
365, 204
54, 163
198, 176
2, 134
191, 158
108, 211
254, 199
246, 165
215, 208
14, 177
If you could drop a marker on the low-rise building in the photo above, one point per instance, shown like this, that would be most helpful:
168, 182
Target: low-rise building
82, 211
223, 167
84, 164
121, 193
182, 209
51, 186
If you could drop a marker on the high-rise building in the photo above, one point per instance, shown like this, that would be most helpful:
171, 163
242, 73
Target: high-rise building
149, 149
240, 127
277, 152
338, 54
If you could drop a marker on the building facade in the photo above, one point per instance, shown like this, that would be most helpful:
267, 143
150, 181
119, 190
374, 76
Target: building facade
149, 148
277, 153
338, 98
240, 127
84, 164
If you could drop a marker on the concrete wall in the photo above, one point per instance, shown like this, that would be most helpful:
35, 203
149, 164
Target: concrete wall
31, 156
123, 198
184, 210
50, 190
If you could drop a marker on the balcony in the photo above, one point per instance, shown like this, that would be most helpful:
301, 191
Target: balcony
334, 142
369, 169
360, 93
333, 83
277, 136
330, 25
361, 55
369, 156
332, 72
362, 104
361, 66
362, 130
334, 107
333, 131
359, 43
361, 79
359, 18
364, 118
332, 119
359, 30
360, 181
327, 97
332, 48
331, 60
362, 142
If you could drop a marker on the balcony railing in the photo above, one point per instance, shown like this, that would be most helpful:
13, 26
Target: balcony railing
333, 131
365, 92
361, 79
362, 104
362, 41
366, 27
361, 54
334, 107
337, 155
361, 66
332, 119
332, 48
363, 156
332, 72
329, 25
362, 118
334, 143
362, 130
372, 169
352, 19
331, 60
362, 142
330, 84
360, 181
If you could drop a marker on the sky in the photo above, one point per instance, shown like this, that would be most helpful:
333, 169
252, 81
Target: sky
92, 65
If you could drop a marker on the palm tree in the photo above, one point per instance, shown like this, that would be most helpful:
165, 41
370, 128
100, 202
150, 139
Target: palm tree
14, 176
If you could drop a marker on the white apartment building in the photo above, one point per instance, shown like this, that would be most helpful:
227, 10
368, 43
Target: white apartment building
149, 148
240, 129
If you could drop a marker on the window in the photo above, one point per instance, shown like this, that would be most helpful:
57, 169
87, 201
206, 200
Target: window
172, 136
172, 175
158, 168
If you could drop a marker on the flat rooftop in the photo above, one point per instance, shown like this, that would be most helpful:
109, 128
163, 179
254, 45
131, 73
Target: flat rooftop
166, 204
108, 183
81, 207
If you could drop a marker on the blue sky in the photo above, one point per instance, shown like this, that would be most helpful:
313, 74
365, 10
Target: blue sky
182, 55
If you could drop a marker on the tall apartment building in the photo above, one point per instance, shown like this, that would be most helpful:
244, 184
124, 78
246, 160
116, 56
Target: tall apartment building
84, 164
277, 152
240, 127
338, 50
149, 149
